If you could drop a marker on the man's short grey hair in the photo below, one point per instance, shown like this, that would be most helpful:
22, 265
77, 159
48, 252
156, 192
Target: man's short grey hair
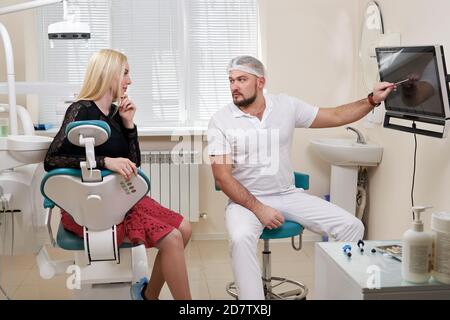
247, 64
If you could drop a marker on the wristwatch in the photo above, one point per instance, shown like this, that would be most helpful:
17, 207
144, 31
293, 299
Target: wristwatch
371, 101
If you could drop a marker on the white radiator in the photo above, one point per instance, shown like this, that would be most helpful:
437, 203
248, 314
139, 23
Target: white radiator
174, 181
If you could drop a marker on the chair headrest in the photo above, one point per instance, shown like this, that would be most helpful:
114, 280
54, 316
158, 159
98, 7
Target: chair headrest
97, 129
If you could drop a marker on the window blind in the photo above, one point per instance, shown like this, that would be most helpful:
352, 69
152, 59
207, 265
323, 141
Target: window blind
217, 31
149, 32
178, 51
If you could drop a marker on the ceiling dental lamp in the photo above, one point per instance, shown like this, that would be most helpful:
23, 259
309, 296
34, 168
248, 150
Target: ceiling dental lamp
68, 29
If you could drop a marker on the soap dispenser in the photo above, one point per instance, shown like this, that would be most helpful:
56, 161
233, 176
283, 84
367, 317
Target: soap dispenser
417, 250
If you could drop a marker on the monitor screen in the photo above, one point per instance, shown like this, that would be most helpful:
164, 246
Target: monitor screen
420, 72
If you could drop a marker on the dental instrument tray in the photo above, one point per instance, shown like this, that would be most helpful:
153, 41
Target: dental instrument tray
394, 250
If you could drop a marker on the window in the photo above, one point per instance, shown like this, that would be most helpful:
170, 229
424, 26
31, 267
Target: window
178, 51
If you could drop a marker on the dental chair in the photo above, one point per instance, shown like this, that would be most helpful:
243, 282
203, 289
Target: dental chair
98, 200
279, 288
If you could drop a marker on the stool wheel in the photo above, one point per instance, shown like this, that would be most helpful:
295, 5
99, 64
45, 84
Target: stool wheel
232, 290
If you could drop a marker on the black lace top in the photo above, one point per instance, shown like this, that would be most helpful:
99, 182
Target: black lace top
123, 142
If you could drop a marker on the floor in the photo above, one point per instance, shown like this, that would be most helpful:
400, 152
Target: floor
208, 266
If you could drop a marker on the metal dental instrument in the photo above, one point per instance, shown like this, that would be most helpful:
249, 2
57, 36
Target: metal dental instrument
400, 82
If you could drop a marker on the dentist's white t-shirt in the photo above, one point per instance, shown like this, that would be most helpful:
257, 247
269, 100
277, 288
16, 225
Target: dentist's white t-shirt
260, 150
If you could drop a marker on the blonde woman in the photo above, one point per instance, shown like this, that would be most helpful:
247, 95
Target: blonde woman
103, 97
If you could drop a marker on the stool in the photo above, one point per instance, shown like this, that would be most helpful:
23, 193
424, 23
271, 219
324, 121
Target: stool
294, 290
297, 291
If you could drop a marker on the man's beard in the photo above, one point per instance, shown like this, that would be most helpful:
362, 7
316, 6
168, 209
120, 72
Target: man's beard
246, 102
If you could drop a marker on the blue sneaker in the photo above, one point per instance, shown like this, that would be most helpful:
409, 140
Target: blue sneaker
137, 289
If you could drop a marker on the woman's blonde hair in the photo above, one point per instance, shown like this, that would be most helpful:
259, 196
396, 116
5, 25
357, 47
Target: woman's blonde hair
104, 69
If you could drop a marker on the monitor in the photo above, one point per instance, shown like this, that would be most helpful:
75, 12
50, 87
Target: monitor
422, 94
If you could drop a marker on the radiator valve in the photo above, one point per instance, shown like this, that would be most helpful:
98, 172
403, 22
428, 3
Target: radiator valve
203, 215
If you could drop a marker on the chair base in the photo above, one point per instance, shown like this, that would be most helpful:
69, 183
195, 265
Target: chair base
100, 279
287, 289
103, 291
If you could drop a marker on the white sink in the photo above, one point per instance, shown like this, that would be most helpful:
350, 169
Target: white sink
345, 157
28, 148
347, 152
18, 150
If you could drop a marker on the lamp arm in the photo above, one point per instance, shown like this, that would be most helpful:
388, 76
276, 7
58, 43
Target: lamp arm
10, 57
65, 11
10, 78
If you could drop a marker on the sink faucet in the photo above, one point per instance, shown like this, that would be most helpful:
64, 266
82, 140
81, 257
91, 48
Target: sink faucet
360, 138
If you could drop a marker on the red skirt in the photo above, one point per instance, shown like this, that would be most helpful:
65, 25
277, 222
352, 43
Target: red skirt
147, 222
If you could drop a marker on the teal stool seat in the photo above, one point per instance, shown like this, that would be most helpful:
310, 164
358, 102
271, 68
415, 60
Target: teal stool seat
287, 230
70, 241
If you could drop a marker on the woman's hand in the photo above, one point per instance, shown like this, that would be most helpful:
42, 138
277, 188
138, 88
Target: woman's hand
123, 166
127, 109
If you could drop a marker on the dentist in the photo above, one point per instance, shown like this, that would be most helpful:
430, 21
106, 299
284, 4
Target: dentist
249, 144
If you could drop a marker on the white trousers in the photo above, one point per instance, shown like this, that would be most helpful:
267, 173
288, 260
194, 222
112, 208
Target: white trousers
312, 212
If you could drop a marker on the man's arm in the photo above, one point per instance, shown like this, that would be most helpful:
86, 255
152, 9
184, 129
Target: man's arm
351, 112
221, 168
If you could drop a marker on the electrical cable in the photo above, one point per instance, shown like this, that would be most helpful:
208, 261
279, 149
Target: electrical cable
414, 168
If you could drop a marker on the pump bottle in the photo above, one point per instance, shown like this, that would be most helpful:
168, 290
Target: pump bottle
417, 250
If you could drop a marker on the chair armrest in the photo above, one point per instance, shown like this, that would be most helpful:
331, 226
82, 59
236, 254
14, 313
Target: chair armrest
48, 204
301, 180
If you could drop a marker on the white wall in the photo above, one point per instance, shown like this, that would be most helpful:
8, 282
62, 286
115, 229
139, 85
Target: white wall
309, 48
420, 22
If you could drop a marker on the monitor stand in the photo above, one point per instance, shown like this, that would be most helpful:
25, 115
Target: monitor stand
408, 123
